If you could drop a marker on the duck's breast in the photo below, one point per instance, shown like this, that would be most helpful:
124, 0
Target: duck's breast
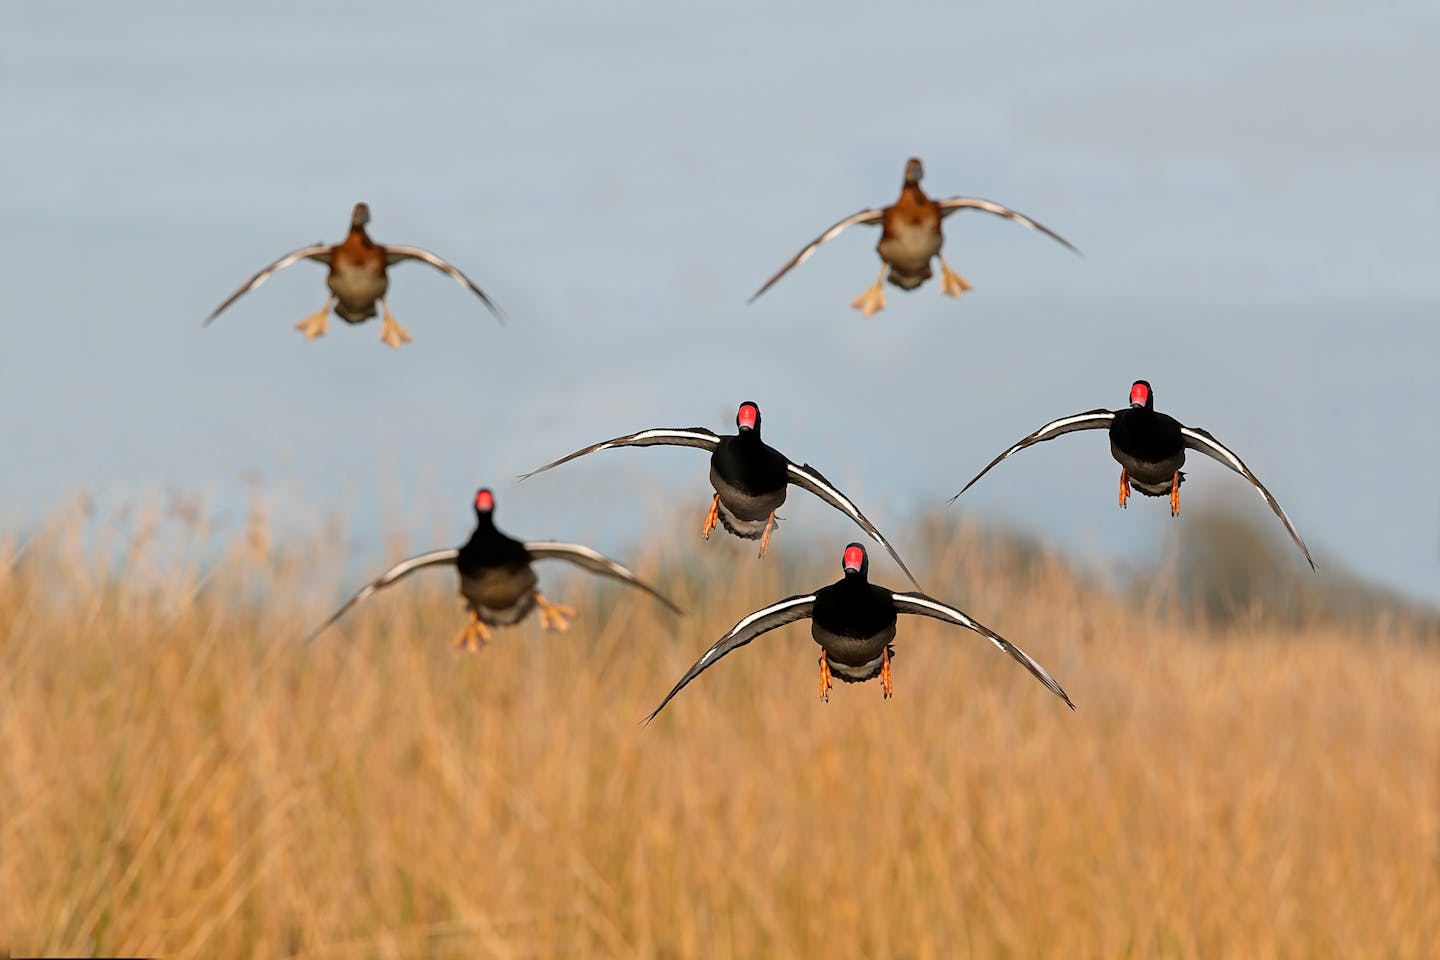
501, 595
911, 238
357, 279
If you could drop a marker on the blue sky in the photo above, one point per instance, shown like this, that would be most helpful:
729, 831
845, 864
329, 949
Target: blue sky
1253, 188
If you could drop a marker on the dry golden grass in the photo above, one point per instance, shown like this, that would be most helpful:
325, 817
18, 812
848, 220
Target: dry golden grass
180, 778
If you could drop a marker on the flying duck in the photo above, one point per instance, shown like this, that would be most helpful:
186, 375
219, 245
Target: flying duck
853, 621
910, 237
496, 580
1150, 448
358, 277
749, 476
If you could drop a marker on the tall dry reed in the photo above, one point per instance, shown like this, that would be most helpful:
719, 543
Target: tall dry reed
180, 777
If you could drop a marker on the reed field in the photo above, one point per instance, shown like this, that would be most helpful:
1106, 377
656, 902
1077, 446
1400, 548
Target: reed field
181, 776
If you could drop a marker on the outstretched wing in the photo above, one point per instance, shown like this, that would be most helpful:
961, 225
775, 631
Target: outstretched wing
1090, 420
951, 204
864, 216
761, 621
399, 571
316, 251
595, 562
395, 255
808, 478
921, 605
658, 437
1197, 439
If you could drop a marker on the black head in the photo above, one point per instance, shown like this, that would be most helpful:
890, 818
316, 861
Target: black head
856, 562
484, 503
747, 418
1141, 395
914, 171
360, 216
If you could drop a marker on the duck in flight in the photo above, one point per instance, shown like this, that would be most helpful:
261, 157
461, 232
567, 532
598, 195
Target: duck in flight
358, 278
853, 621
750, 478
496, 578
1150, 448
910, 237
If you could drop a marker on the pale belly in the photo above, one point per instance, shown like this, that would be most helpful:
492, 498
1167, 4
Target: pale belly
357, 288
910, 246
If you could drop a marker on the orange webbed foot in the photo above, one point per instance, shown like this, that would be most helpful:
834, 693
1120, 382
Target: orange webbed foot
391, 332
951, 283
317, 323
712, 518
473, 636
825, 682
765, 536
554, 616
872, 301
1124, 487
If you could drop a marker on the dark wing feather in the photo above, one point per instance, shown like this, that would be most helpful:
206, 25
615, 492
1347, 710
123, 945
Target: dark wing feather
921, 605
395, 255
761, 621
951, 204
1089, 420
659, 436
595, 562
401, 570
864, 216
319, 252
1201, 440
808, 478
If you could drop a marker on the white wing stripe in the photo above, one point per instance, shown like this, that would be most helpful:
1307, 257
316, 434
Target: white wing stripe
810, 479
662, 433
752, 619
1089, 420
840, 500
1215, 446
1071, 421
909, 602
1203, 442
957, 615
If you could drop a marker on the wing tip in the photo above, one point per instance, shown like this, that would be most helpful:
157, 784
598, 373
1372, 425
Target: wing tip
967, 486
656, 712
217, 311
